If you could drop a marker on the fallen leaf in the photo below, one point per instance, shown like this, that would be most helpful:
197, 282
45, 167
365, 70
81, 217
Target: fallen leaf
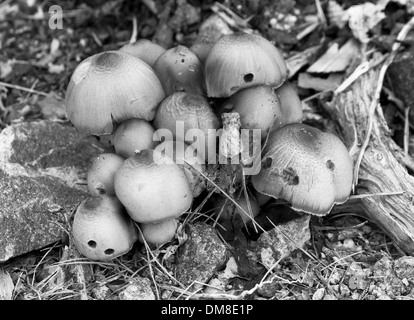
307, 81
6, 286
52, 106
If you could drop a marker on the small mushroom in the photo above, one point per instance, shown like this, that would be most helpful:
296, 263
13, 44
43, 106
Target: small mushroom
202, 48
290, 105
241, 60
132, 135
179, 69
157, 234
187, 158
307, 167
101, 173
261, 107
188, 116
152, 187
109, 87
144, 49
101, 228
225, 209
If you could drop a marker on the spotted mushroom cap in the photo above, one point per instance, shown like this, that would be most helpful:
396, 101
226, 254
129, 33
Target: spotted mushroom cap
307, 167
242, 60
101, 228
152, 187
109, 87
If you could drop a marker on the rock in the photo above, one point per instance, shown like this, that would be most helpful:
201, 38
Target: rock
138, 289
404, 268
41, 164
200, 256
282, 240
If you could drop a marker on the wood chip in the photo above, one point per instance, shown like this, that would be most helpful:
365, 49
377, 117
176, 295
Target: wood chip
308, 81
6, 286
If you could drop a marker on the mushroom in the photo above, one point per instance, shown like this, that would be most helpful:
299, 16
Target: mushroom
241, 60
157, 234
290, 105
101, 172
111, 86
132, 135
101, 229
307, 167
179, 69
261, 107
225, 208
188, 116
144, 49
202, 48
152, 187
187, 158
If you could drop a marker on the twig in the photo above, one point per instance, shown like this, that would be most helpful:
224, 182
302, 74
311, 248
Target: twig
373, 107
407, 131
134, 30
380, 194
14, 86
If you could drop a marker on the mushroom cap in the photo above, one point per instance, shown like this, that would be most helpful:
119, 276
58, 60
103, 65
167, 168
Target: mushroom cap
132, 135
144, 49
157, 234
194, 111
187, 158
101, 173
240, 61
202, 48
290, 105
226, 208
307, 167
111, 86
179, 69
152, 187
101, 229
259, 108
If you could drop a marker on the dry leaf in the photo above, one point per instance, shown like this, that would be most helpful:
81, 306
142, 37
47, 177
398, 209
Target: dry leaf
308, 81
52, 107
6, 286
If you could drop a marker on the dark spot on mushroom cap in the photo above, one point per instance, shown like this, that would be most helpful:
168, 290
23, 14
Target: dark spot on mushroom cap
248, 77
109, 251
93, 202
92, 243
330, 165
182, 60
267, 163
108, 60
290, 176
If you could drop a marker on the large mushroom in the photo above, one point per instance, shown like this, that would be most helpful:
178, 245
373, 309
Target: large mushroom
241, 60
152, 187
309, 168
144, 49
101, 228
109, 87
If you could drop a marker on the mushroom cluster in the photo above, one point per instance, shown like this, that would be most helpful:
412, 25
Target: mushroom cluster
165, 110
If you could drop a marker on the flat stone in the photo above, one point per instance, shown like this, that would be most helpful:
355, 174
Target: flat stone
200, 256
41, 165
282, 240
138, 289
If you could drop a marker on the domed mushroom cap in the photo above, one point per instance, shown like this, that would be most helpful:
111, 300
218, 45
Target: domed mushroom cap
179, 69
145, 50
101, 229
157, 234
240, 61
193, 112
290, 105
132, 135
307, 167
152, 187
101, 173
111, 86
202, 48
187, 158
